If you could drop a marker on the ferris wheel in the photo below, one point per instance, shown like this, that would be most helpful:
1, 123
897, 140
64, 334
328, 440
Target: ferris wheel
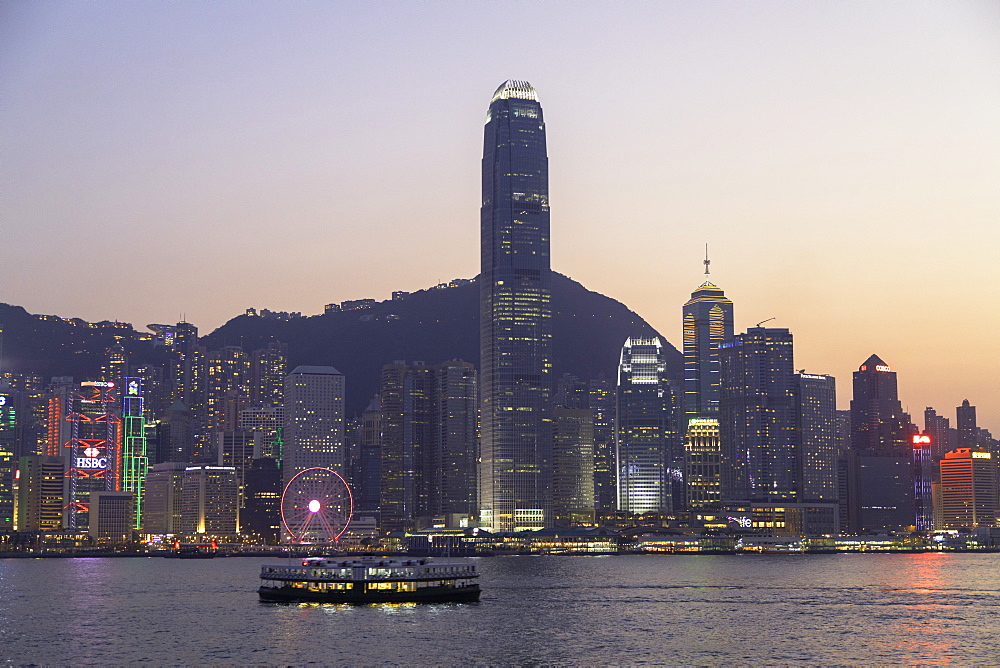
316, 506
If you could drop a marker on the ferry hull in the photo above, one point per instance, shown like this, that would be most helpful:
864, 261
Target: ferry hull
468, 594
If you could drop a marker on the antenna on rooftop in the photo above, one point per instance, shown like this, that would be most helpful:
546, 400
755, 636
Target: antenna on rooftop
707, 261
763, 321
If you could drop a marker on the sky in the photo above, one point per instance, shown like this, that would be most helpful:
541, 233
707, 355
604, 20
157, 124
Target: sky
841, 160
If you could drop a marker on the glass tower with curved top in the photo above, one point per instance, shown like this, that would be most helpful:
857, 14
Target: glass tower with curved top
515, 315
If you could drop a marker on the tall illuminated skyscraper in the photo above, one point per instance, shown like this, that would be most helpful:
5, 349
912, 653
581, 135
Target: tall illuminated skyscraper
515, 315
757, 418
648, 444
314, 420
708, 322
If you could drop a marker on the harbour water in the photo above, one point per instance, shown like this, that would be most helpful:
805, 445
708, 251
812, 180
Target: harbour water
653, 610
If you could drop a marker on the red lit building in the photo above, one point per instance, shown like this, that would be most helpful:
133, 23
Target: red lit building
968, 489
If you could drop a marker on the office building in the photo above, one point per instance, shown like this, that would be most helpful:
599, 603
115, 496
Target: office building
647, 441
880, 463
938, 427
112, 517
261, 513
428, 443
314, 420
573, 466
968, 489
515, 315
708, 323
209, 501
702, 464
162, 512
757, 418
135, 459
816, 413
40, 491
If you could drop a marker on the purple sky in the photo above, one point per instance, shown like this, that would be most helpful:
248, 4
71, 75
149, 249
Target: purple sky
842, 159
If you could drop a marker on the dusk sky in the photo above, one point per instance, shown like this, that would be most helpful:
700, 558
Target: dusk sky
841, 159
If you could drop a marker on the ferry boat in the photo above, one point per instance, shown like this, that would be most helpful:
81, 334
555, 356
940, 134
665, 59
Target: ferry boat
193, 551
371, 580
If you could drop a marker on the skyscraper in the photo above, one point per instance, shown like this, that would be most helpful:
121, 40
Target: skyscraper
708, 322
757, 418
314, 420
647, 440
816, 399
968, 489
515, 314
965, 422
880, 463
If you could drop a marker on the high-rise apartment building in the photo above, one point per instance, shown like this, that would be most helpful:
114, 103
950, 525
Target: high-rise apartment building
515, 314
708, 323
648, 442
268, 368
757, 418
314, 420
965, 422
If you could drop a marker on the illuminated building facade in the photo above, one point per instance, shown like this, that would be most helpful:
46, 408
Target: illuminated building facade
8, 446
880, 462
40, 493
314, 420
968, 489
515, 315
93, 452
267, 421
816, 400
757, 418
161, 513
708, 323
112, 517
209, 500
268, 368
702, 463
573, 466
135, 460
923, 481
647, 442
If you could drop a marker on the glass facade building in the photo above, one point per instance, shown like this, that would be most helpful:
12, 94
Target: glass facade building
515, 315
757, 418
708, 322
647, 441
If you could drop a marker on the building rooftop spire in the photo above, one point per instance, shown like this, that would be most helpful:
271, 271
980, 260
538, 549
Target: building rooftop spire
512, 88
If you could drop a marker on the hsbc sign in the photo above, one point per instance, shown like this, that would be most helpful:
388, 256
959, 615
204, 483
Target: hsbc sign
91, 462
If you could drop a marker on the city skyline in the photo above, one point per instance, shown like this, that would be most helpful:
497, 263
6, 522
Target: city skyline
846, 186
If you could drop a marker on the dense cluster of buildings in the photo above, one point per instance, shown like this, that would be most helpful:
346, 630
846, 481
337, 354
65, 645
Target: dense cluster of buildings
203, 445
